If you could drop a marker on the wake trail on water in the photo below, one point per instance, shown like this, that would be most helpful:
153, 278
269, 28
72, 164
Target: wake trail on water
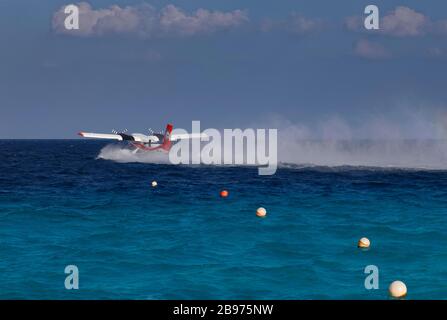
407, 154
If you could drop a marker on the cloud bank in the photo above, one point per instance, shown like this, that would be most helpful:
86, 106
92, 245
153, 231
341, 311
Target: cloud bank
147, 22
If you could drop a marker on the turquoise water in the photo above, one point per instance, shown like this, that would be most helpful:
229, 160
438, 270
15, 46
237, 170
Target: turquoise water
60, 206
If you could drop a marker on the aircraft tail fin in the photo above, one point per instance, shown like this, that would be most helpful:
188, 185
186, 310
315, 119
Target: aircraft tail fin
167, 139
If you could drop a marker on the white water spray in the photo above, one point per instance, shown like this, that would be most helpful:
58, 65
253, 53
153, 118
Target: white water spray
413, 141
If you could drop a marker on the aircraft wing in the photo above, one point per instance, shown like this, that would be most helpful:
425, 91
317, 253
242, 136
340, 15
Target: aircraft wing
101, 136
137, 137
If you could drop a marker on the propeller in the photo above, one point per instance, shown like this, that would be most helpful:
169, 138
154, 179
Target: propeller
116, 132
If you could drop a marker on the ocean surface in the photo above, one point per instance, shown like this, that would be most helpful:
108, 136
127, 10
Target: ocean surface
60, 205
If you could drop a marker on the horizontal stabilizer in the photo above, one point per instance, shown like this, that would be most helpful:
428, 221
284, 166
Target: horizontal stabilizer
188, 136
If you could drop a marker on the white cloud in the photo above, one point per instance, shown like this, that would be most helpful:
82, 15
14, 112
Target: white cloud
404, 21
175, 21
400, 22
298, 23
370, 50
147, 22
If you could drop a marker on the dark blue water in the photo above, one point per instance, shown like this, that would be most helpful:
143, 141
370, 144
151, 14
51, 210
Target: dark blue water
61, 206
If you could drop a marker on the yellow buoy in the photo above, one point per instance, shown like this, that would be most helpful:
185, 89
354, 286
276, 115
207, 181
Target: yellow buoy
364, 243
397, 289
154, 184
261, 212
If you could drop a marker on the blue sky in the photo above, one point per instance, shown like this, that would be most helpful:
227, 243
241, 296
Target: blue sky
240, 64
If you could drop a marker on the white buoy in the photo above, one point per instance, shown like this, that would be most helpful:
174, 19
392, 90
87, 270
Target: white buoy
364, 243
397, 289
154, 184
261, 212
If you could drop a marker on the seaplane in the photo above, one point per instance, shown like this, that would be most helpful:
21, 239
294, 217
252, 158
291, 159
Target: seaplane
162, 141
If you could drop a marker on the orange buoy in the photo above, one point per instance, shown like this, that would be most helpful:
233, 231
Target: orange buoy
261, 212
224, 193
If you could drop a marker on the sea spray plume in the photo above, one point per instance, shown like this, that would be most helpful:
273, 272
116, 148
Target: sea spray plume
379, 142
414, 140
260, 152
122, 153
